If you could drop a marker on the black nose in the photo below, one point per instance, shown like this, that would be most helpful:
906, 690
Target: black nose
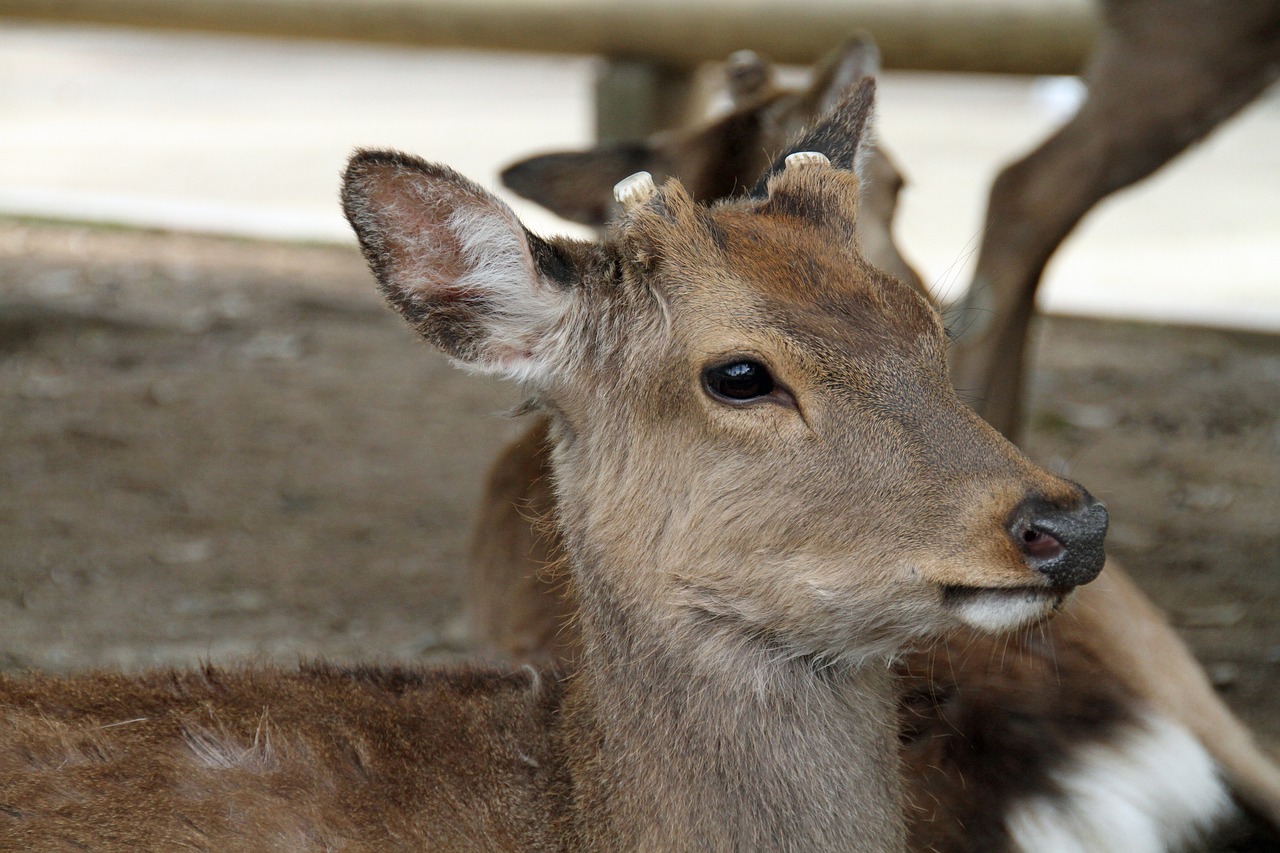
1065, 545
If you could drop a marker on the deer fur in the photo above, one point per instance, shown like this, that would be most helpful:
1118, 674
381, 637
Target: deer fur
733, 689
1107, 675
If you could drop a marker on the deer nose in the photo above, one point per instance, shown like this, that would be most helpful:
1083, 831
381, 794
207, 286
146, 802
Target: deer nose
1064, 545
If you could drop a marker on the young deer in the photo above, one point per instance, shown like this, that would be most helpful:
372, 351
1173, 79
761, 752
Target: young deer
767, 487
1006, 739
1097, 732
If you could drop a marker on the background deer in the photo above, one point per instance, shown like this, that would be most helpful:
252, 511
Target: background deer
719, 158
1109, 685
714, 377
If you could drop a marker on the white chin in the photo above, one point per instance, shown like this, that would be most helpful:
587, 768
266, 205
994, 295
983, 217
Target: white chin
996, 610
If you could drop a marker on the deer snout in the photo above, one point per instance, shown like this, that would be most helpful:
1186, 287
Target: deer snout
1064, 545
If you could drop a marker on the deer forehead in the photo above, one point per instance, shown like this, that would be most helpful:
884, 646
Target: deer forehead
745, 277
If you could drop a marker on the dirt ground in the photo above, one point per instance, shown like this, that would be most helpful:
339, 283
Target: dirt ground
218, 449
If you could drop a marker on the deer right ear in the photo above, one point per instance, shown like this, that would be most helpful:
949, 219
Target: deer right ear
843, 135
839, 70
457, 263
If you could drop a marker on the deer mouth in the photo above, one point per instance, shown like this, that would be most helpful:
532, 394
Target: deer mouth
998, 609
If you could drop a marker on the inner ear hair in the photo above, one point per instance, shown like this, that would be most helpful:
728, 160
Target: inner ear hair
843, 135
457, 263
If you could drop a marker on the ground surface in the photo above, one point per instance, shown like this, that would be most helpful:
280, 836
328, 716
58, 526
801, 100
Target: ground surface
218, 449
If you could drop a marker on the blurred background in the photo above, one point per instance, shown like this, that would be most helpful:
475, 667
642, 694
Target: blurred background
245, 136
215, 442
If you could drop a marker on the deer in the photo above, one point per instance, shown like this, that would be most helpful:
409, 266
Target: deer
1109, 684
767, 489
1159, 80
717, 158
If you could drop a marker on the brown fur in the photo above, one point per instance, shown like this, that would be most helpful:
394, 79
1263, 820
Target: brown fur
259, 759
970, 753
732, 690
521, 603
984, 719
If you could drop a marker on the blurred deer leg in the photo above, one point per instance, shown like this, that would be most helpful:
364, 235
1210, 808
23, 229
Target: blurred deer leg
1155, 87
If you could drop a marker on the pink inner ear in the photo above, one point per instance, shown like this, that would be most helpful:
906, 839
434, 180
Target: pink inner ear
456, 261
424, 253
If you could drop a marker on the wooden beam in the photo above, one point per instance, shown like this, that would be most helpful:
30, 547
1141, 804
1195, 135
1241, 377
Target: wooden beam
635, 98
1003, 36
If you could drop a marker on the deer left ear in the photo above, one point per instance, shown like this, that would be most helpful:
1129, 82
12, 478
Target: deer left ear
458, 264
843, 135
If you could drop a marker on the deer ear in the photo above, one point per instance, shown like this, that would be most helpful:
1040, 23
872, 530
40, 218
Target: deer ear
457, 263
843, 134
839, 70
578, 185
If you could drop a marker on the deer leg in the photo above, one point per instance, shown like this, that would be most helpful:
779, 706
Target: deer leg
1148, 101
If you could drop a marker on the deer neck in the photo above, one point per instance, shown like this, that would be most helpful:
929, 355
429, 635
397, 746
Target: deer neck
684, 740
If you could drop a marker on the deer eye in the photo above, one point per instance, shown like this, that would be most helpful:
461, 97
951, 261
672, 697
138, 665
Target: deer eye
738, 381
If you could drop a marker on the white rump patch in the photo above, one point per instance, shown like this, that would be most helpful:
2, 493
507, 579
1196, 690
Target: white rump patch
1150, 790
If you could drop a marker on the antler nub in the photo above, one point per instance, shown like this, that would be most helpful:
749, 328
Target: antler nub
634, 189
806, 158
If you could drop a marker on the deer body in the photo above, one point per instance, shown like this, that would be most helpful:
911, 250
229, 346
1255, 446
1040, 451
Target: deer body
260, 759
653, 757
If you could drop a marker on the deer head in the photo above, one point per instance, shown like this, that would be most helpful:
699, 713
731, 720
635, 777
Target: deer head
754, 428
